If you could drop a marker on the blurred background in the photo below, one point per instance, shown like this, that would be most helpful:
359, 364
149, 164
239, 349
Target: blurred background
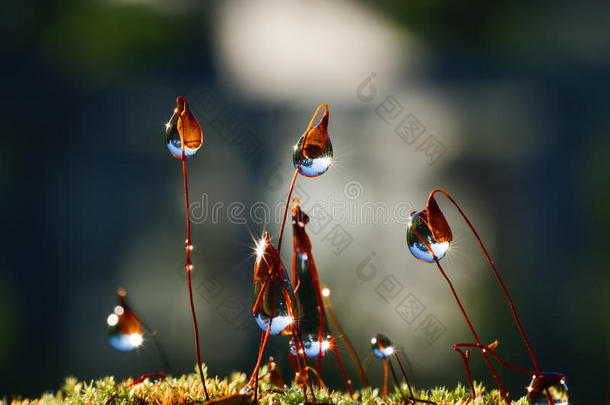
500, 104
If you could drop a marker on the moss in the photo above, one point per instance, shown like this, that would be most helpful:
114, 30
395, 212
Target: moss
187, 389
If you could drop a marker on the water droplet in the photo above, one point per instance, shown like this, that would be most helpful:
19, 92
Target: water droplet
125, 331
308, 313
382, 346
317, 152
308, 298
272, 305
555, 383
428, 230
183, 126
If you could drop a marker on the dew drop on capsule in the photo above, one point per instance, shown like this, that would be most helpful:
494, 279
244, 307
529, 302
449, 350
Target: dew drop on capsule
272, 307
315, 149
125, 331
382, 346
555, 383
428, 230
183, 126
308, 313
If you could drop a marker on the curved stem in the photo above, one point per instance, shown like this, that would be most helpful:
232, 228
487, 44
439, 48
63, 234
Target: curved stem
264, 334
497, 275
466, 360
308, 368
397, 384
404, 374
296, 173
343, 336
484, 348
474, 333
189, 268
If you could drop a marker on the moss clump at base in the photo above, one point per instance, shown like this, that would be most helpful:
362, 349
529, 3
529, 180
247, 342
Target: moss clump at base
187, 389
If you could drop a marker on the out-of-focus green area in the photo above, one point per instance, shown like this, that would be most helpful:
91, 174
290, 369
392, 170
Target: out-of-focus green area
92, 200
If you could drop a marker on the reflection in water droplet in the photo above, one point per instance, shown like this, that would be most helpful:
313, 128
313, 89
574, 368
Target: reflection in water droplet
419, 248
309, 313
273, 305
430, 225
555, 383
272, 309
125, 331
382, 346
315, 161
317, 151
183, 125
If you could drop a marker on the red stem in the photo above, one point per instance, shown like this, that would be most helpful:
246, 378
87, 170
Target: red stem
294, 179
474, 333
466, 361
348, 344
296, 173
384, 390
404, 373
188, 272
497, 275
348, 384
405, 397
484, 348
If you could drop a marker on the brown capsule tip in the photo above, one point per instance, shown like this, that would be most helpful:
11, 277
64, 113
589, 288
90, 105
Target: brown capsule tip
181, 103
188, 126
300, 378
302, 242
433, 216
323, 125
267, 257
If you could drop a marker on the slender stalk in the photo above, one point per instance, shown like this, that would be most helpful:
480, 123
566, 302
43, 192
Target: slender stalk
466, 360
404, 374
484, 348
497, 275
316, 283
292, 183
474, 334
348, 384
397, 383
296, 174
348, 344
189, 268
384, 390
502, 286
320, 382
279, 245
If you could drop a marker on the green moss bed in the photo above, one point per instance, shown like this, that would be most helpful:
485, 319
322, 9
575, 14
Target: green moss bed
187, 389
